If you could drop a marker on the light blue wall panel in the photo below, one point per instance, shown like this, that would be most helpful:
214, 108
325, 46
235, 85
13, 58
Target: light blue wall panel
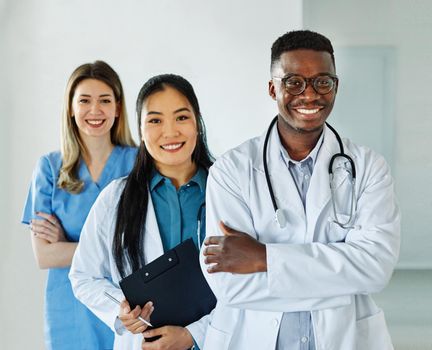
365, 104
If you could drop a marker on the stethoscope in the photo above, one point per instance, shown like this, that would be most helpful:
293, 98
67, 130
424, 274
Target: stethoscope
201, 210
279, 215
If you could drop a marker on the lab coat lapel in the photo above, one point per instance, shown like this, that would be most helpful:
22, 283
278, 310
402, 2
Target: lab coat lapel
319, 193
284, 188
153, 247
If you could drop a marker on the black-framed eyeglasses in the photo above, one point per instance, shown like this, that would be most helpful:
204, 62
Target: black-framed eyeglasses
296, 84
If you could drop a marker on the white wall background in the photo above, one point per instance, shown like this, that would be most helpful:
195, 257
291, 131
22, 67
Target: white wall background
406, 26
222, 47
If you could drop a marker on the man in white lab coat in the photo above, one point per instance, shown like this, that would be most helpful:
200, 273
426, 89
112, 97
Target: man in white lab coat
292, 262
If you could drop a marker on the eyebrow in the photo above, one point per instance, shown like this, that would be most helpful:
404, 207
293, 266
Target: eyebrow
288, 75
154, 112
183, 109
103, 95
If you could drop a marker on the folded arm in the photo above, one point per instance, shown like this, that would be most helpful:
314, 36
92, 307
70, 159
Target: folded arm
50, 246
299, 276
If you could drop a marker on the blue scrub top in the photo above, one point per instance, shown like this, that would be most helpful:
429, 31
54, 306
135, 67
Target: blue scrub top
68, 323
178, 212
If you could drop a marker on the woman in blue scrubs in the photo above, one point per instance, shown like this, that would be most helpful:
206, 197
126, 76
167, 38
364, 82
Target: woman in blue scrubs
136, 219
96, 148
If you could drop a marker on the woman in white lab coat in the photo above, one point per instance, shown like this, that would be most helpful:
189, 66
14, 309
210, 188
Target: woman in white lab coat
139, 217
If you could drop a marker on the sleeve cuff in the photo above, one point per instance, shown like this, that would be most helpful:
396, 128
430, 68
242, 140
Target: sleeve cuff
119, 328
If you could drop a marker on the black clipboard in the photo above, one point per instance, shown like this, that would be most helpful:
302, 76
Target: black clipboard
175, 284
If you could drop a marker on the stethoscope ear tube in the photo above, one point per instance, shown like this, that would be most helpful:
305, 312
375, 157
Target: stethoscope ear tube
341, 147
266, 172
279, 215
201, 210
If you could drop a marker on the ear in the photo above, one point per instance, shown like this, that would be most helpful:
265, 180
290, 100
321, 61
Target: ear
336, 87
272, 90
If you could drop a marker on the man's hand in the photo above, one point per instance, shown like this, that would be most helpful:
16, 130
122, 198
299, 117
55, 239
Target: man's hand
235, 252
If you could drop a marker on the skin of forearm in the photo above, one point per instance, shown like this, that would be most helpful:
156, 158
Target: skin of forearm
49, 255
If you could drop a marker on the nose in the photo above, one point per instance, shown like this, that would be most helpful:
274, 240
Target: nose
170, 130
95, 107
309, 94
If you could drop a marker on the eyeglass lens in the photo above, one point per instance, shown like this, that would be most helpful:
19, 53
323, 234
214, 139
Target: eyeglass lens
295, 85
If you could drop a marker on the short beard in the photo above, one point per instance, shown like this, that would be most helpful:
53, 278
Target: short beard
302, 131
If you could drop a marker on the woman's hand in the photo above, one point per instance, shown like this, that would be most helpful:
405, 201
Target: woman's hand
130, 319
171, 338
48, 228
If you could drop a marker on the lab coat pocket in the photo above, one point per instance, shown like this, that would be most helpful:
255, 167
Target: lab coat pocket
372, 333
216, 339
334, 232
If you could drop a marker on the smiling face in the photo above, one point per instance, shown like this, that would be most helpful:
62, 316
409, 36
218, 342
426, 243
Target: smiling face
307, 112
169, 129
94, 108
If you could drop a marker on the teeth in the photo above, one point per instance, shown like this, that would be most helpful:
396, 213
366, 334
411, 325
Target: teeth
95, 122
307, 111
172, 146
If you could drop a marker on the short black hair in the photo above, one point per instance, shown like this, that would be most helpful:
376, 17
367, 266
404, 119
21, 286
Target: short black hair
300, 39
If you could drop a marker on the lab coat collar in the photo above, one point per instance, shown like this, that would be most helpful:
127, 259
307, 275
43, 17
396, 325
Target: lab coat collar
275, 160
319, 193
283, 184
284, 187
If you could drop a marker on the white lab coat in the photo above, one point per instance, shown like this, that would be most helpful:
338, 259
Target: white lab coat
312, 264
94, 271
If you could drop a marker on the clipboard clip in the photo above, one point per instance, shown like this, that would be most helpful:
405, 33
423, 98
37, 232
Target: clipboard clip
161, 265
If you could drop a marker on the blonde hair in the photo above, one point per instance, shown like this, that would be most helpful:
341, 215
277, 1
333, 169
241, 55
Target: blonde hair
72, 147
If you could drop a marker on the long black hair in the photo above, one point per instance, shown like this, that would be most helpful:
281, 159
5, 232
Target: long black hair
128, 241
